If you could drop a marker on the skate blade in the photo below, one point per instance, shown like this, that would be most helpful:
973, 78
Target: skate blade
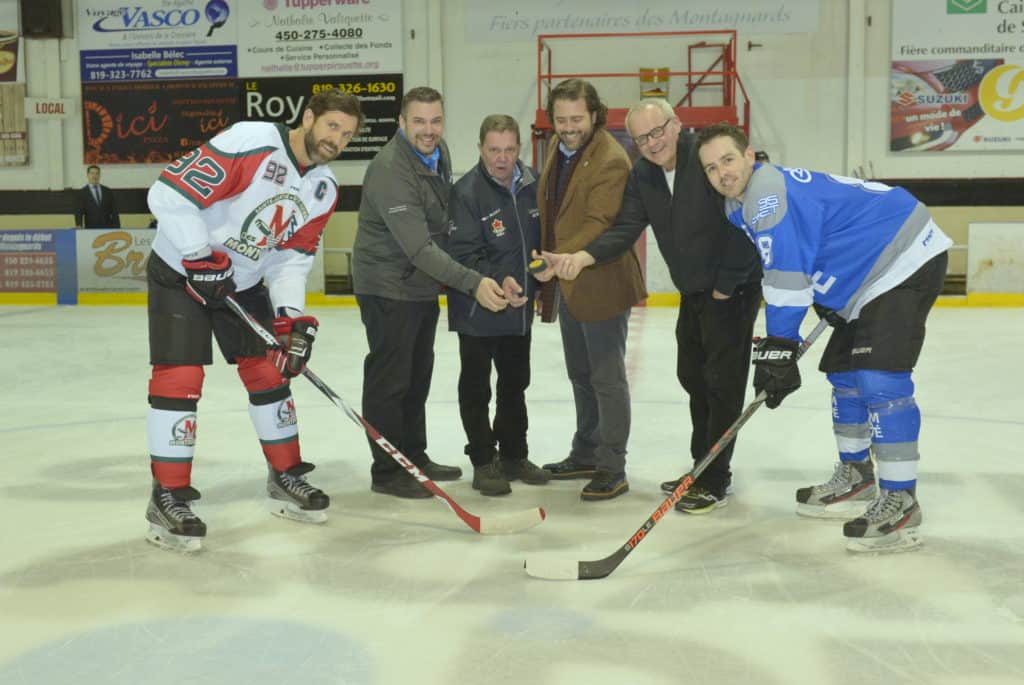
183, 544
841, 510
899, 541
292, 512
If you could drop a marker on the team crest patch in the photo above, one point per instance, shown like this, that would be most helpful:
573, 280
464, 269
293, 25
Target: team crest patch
183, 432
286, 414
498, 228
269, 225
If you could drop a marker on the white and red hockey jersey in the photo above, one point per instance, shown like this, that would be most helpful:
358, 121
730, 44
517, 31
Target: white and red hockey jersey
244, 193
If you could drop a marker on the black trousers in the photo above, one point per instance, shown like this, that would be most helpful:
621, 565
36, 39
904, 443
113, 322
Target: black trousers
510, 355
889, 333
180, 327
396, 377
713, 365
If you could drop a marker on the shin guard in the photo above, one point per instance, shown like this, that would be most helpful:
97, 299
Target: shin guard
174, 393
849, 418
272, 411
895, 425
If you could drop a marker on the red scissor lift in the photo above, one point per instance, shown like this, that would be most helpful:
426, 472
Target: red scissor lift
713, 89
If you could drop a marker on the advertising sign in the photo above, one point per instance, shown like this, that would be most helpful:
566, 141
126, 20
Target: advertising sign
284, 99
157, 39
957, 76
12, 63
113, 260
490, 22
311, 37
154, 122
28, 261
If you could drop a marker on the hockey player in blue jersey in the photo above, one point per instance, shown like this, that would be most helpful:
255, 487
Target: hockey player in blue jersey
870, 259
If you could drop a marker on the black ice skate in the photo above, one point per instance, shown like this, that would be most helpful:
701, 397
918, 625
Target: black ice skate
172, 525
291, 497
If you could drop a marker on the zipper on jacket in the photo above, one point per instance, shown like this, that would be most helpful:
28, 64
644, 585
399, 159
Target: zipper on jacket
526, 257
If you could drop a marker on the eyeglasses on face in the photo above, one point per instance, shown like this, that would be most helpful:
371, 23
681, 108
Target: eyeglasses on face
653, 134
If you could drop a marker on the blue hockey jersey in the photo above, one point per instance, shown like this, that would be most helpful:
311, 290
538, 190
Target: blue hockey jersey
832, 240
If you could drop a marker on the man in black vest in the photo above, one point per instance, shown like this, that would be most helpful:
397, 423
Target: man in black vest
94, 203
716, 269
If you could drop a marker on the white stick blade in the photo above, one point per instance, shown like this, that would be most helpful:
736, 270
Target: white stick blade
553, 569
511, 523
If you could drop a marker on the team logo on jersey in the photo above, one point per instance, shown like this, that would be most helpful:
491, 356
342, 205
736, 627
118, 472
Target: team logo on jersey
800, 175
766, 206
498, 228
273, 222
286, 413
183, 432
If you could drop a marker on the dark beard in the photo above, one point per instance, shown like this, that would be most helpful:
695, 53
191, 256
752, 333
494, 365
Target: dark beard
313, 150
583, 140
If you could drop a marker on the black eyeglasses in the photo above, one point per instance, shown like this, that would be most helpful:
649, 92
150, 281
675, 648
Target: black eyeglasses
653, 134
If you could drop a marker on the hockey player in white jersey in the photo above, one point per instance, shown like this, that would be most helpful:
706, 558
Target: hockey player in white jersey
240, 215
870, 259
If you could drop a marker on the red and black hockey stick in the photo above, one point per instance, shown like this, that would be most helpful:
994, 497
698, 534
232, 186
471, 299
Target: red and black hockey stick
564, 569
490, 525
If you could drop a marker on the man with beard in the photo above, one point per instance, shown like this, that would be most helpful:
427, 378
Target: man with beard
398, 269
579, 194
716, 270
245, 208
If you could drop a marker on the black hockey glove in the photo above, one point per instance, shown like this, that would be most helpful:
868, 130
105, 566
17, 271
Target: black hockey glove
830, 315
775, 369
210, 279
296, 336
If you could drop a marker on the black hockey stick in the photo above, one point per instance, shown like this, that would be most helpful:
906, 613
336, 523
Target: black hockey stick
491, 525
564, 569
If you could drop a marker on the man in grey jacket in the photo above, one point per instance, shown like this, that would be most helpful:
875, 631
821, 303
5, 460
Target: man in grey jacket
398, 269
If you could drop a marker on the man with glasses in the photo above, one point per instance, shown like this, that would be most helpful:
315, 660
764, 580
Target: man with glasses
717, 273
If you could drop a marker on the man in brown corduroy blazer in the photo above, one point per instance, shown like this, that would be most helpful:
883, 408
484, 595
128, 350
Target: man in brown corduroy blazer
579, 195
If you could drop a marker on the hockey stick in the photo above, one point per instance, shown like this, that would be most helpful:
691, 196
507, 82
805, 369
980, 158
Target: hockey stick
564, 569
491, 525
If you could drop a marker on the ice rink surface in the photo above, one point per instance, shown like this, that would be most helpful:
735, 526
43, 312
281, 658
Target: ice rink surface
395, 591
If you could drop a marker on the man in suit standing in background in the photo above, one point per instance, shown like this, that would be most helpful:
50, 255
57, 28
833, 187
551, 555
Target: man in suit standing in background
94, 203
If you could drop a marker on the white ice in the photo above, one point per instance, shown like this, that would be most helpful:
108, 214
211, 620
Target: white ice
393, 591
